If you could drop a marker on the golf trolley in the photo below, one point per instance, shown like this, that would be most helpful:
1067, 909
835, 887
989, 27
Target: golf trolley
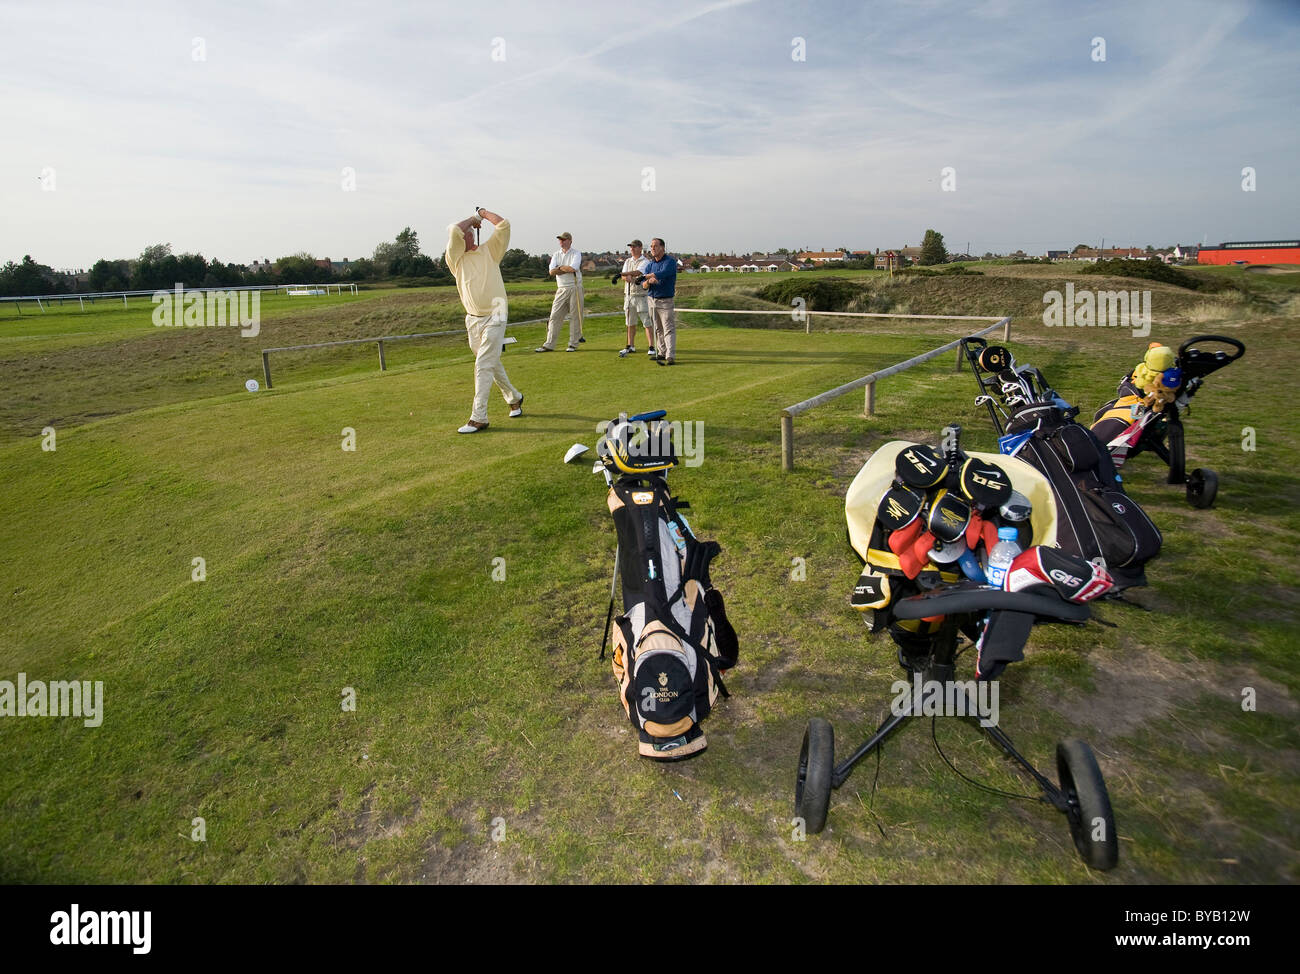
1128, 426
926, 606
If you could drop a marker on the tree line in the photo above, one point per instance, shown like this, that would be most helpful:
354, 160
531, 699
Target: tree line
399, 262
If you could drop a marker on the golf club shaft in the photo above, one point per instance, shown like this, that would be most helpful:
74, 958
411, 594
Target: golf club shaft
609, 614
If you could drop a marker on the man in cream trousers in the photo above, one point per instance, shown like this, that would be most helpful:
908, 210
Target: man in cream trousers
635, 301
566, 268
483, 294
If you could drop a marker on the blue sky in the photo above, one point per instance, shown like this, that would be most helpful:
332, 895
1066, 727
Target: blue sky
240, 154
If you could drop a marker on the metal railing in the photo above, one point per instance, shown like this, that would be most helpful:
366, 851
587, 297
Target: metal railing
82, 297
869, 381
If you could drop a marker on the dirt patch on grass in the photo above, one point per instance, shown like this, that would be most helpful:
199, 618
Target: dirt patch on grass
1142, 686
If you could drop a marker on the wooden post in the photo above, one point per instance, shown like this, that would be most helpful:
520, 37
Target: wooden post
383, 365
124, 300
871, 399
961, 357
787, 443
266, 368
1006, 330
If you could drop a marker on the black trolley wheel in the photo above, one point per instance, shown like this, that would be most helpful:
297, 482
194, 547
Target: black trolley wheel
1092, 823
812, 786
1202, 486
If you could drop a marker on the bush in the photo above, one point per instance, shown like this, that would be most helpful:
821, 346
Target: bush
826, 294
1155, 270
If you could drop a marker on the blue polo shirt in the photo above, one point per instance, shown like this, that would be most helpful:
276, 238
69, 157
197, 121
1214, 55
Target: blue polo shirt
666, 272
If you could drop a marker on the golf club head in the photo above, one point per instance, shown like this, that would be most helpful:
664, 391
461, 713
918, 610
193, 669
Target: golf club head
1016, 507
574, 452
947, 552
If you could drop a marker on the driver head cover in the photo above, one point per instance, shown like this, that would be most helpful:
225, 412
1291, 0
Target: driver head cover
984, 483
920, 466
899, 507
949, 515
994, 358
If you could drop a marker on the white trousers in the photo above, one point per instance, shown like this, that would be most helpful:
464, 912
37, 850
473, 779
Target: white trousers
568, 302
485, 335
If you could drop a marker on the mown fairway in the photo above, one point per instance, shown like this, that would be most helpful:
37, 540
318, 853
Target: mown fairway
480, 705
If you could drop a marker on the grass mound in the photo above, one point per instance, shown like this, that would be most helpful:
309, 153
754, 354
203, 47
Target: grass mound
1154, 270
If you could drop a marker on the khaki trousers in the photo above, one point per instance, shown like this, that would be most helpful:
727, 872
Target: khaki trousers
485, 335
567, 303
664, 321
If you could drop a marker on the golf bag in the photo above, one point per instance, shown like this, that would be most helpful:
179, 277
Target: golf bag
901, 524
1150, 419
673, 641
1096, 518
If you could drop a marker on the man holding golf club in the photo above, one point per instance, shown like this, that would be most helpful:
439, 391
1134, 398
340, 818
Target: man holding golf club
566, 268
635, 301
483, 294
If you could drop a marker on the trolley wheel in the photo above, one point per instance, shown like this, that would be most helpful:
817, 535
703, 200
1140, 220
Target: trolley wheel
1202, 486
812, 786
1092, 823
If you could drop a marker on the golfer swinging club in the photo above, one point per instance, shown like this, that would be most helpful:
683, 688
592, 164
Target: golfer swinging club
483, 295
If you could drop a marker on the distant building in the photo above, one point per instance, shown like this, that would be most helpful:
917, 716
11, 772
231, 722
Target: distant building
1251, 252
822, 256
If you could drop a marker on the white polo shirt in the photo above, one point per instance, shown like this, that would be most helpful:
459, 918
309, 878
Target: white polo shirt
572, 258
634, 293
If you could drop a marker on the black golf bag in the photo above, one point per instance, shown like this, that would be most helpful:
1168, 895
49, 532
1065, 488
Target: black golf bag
673, 641
1097, 518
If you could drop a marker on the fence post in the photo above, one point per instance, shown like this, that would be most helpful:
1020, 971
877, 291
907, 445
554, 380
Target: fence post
266, 368
383, 365
787, 442
871, 399
1006, 330
961, 357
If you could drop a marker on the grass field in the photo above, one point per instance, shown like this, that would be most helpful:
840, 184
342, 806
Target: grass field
487, 743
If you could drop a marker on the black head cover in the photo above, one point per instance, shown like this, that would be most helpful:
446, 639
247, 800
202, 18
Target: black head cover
949, 515
984, 483
994, 358
899, 507
920, 466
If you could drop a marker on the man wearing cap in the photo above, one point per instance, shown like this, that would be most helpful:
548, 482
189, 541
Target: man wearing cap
661, 285
635, 301
483, 294
566, 268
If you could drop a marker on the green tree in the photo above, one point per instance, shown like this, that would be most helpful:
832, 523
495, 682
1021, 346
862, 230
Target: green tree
932, 249
110, 275
29, 277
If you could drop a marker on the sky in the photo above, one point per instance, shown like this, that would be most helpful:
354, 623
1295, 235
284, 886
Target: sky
250, 131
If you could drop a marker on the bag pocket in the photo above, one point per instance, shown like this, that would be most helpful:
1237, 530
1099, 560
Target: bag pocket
1127, 535
1076, 447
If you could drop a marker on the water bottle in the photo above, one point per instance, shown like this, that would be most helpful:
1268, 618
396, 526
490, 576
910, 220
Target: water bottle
1003, 553
675, 532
